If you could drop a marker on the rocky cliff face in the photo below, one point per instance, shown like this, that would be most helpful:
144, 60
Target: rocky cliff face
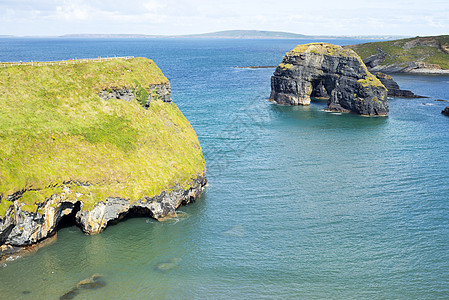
20, 227
320, 70
393, 87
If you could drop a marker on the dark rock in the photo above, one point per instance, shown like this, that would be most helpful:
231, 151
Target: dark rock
393, 88
445, 111
157, 92
122, 94
320, 91
160, 92
321, 69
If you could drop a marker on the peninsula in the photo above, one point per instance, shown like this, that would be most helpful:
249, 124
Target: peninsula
412, 55
90, 141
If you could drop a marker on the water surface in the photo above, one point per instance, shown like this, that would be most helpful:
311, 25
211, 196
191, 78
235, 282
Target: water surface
300, 204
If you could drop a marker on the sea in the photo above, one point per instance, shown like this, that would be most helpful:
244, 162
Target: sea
301, 203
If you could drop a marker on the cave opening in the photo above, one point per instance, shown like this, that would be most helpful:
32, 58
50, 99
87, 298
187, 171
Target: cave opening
322, 88
134, 212
69, 220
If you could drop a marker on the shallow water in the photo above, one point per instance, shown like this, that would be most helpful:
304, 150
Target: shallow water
300, 203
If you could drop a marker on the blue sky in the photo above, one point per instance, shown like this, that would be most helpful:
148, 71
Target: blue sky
323, 17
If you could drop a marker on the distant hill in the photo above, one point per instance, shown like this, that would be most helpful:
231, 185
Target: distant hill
247, 34
412, 55
107, 36
234, 34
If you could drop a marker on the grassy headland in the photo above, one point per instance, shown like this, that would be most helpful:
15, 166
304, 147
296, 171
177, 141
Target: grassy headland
432, 50
55, 132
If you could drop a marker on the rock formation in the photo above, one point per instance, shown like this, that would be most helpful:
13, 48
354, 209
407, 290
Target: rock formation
88, 157
445, 111
393, 87
320, 70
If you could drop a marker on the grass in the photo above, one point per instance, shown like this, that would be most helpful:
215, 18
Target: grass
398, 54
54, 129
322, 49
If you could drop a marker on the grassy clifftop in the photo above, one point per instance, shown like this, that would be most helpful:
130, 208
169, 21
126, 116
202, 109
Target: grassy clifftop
431, 51
55, 131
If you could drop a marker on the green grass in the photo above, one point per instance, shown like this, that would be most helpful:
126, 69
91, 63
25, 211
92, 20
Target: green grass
397, 54
322, 49
54, 128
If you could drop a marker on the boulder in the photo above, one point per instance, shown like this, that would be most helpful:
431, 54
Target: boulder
322, 69
445, 111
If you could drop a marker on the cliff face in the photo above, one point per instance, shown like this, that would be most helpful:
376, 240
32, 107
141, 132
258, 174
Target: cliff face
77, 144
413, 55
320, 70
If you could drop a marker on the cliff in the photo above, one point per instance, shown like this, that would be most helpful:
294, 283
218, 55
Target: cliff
326, 70
412, 55
91, 141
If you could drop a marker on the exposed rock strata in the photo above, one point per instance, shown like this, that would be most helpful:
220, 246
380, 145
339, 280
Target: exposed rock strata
445, 111
393, 88
157, 92
125, 94
20, 228
160, 92
321, 70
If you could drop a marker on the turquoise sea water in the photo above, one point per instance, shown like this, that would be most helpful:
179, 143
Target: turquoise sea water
300, 203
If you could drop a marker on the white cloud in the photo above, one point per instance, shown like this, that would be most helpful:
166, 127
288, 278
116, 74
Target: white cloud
326, 17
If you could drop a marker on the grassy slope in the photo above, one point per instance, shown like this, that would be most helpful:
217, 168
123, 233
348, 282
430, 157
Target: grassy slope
397, 54
54, 128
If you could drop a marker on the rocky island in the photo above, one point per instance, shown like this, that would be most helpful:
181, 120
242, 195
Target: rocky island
329, 71
413, 55
89, 142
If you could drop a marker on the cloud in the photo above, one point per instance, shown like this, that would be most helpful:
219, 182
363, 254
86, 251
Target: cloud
54, 17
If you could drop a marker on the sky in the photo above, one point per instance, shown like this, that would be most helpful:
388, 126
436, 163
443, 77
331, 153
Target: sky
175, 17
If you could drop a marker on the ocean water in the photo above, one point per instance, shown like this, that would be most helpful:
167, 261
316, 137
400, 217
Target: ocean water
301, 203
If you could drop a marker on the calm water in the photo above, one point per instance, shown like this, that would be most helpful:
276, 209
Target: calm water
301, 203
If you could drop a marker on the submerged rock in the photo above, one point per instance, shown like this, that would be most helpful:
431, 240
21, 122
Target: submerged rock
94, 282
321, 69
445, 111
168, 265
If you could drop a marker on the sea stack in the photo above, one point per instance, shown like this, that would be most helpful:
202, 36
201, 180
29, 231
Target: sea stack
90, 142
326, 70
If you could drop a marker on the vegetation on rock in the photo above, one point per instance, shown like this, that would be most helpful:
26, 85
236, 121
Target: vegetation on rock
432, 51
56, 133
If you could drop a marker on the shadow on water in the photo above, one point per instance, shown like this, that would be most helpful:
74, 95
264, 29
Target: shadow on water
303, 115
